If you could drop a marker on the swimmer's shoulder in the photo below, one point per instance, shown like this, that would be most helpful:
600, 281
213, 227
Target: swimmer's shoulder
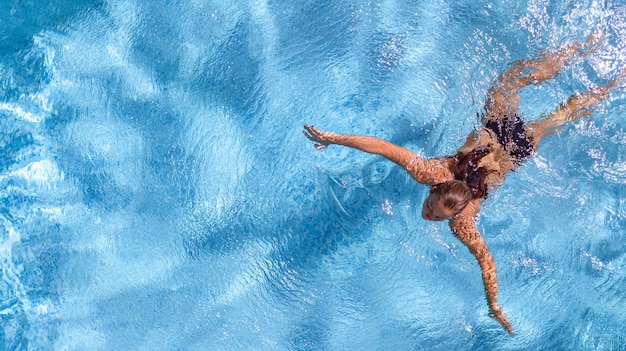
482, 137
463, 225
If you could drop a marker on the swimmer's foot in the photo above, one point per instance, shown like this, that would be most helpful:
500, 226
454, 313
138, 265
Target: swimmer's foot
619, 79
550, 64
581, 50
603, 91
592, 44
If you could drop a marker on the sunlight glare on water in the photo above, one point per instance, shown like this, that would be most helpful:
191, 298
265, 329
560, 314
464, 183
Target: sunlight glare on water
157, 192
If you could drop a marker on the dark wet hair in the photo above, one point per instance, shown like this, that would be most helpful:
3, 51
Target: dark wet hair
467, 171
453, 195
470, 182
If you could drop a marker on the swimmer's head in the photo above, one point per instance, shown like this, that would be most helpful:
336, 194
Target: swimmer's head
446, 200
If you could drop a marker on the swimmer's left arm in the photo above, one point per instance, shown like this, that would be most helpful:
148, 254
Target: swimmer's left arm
464, 228
432, 171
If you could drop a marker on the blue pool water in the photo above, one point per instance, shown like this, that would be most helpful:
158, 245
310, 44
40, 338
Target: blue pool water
157, 192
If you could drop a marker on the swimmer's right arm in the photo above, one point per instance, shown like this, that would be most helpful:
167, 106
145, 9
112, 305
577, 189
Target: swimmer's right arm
431, 171
464, 228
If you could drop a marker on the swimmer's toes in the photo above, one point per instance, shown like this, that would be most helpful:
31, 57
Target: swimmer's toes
593, 42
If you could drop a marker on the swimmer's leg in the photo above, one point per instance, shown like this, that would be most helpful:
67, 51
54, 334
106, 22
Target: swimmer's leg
503, 98
549, 65
577, 106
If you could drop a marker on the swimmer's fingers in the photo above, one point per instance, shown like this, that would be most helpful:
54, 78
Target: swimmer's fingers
319, 138
312, 132
498, 315
309, 132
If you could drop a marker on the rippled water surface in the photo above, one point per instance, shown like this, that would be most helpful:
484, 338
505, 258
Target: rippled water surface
157, 193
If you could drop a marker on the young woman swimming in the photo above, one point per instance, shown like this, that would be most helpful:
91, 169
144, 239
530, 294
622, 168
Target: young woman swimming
460, 183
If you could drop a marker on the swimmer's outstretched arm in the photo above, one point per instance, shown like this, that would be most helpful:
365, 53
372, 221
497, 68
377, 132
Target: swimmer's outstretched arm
431, 171
464, 227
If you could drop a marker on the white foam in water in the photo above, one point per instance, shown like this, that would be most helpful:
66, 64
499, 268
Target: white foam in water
42, 173
158, 193
20, 113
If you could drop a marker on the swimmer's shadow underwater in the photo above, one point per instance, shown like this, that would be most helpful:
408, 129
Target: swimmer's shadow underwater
341, 209
351, 196
360, 192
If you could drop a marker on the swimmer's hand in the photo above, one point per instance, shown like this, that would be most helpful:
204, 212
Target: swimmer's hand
498, 314
321, 139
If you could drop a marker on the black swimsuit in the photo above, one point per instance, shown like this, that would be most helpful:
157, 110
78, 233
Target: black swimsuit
513, 137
